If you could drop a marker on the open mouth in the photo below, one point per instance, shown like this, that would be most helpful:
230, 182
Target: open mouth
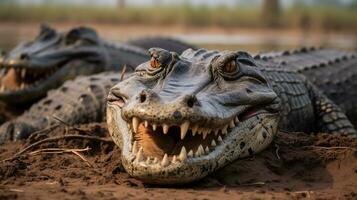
16, 79
164, 144
154, 144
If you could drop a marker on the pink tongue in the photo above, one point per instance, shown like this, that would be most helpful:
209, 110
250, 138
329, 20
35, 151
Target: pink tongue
10, 80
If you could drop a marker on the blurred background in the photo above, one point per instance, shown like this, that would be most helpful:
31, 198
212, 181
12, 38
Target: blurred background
254, 25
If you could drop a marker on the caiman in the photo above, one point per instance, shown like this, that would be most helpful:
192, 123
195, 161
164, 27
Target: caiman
178, 118
46, 62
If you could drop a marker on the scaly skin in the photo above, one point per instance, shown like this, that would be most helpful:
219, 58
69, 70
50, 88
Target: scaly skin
34, 67
194, 92
333, 72
76, 101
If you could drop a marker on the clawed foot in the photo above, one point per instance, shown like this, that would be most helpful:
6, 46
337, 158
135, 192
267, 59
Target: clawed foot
13, 130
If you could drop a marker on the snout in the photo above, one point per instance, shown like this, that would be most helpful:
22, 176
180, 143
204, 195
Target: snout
8, 60
150, 106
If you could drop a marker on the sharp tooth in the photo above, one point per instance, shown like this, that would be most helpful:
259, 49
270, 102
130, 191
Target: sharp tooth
155, 160
213, 143
154, 127
183, 154
224, 130
184, 128
204, 134
207, 149
236, 120
200, 151
133, 148
165, 128
23, 73
216, 132
2, 88
22, 86
129, 126
199, 131
174, 159
165, 161
194, 130
135, 124
146, 123
148, 160
231, 124
190, 153
139, 155
219, 139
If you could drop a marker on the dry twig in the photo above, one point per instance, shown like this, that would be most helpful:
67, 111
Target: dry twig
62, 150
122, 73
55, 139
82, 157
57, 150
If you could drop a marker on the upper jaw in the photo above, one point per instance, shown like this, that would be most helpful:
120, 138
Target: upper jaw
186, 165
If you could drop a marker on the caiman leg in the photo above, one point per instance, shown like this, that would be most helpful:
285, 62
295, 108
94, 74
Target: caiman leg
78, 101
329, 117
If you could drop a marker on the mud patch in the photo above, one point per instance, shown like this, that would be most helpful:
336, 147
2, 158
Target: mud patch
295, 166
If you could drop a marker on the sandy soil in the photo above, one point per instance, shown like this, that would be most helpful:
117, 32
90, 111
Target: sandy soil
295, 166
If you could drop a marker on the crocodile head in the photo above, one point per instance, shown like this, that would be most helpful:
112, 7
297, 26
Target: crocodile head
32, 68
179, 118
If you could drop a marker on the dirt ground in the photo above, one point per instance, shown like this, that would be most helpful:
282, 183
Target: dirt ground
295, 166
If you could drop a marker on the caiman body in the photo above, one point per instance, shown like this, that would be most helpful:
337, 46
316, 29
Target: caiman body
333, 72
179, 118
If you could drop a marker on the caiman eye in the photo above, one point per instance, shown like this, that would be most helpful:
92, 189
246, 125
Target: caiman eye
230, 67
154, 63
227, 66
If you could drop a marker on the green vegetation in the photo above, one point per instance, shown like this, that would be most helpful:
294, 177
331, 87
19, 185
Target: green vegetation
317, 18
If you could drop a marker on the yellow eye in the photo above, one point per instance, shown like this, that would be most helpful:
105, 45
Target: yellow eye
154, 63
230, 67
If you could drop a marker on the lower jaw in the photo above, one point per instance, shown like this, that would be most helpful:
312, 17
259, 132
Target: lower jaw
22, 96
172, 175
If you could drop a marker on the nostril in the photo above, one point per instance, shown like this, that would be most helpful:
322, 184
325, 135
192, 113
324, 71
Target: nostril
191, 100
142, 97
248, 90
24, 56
